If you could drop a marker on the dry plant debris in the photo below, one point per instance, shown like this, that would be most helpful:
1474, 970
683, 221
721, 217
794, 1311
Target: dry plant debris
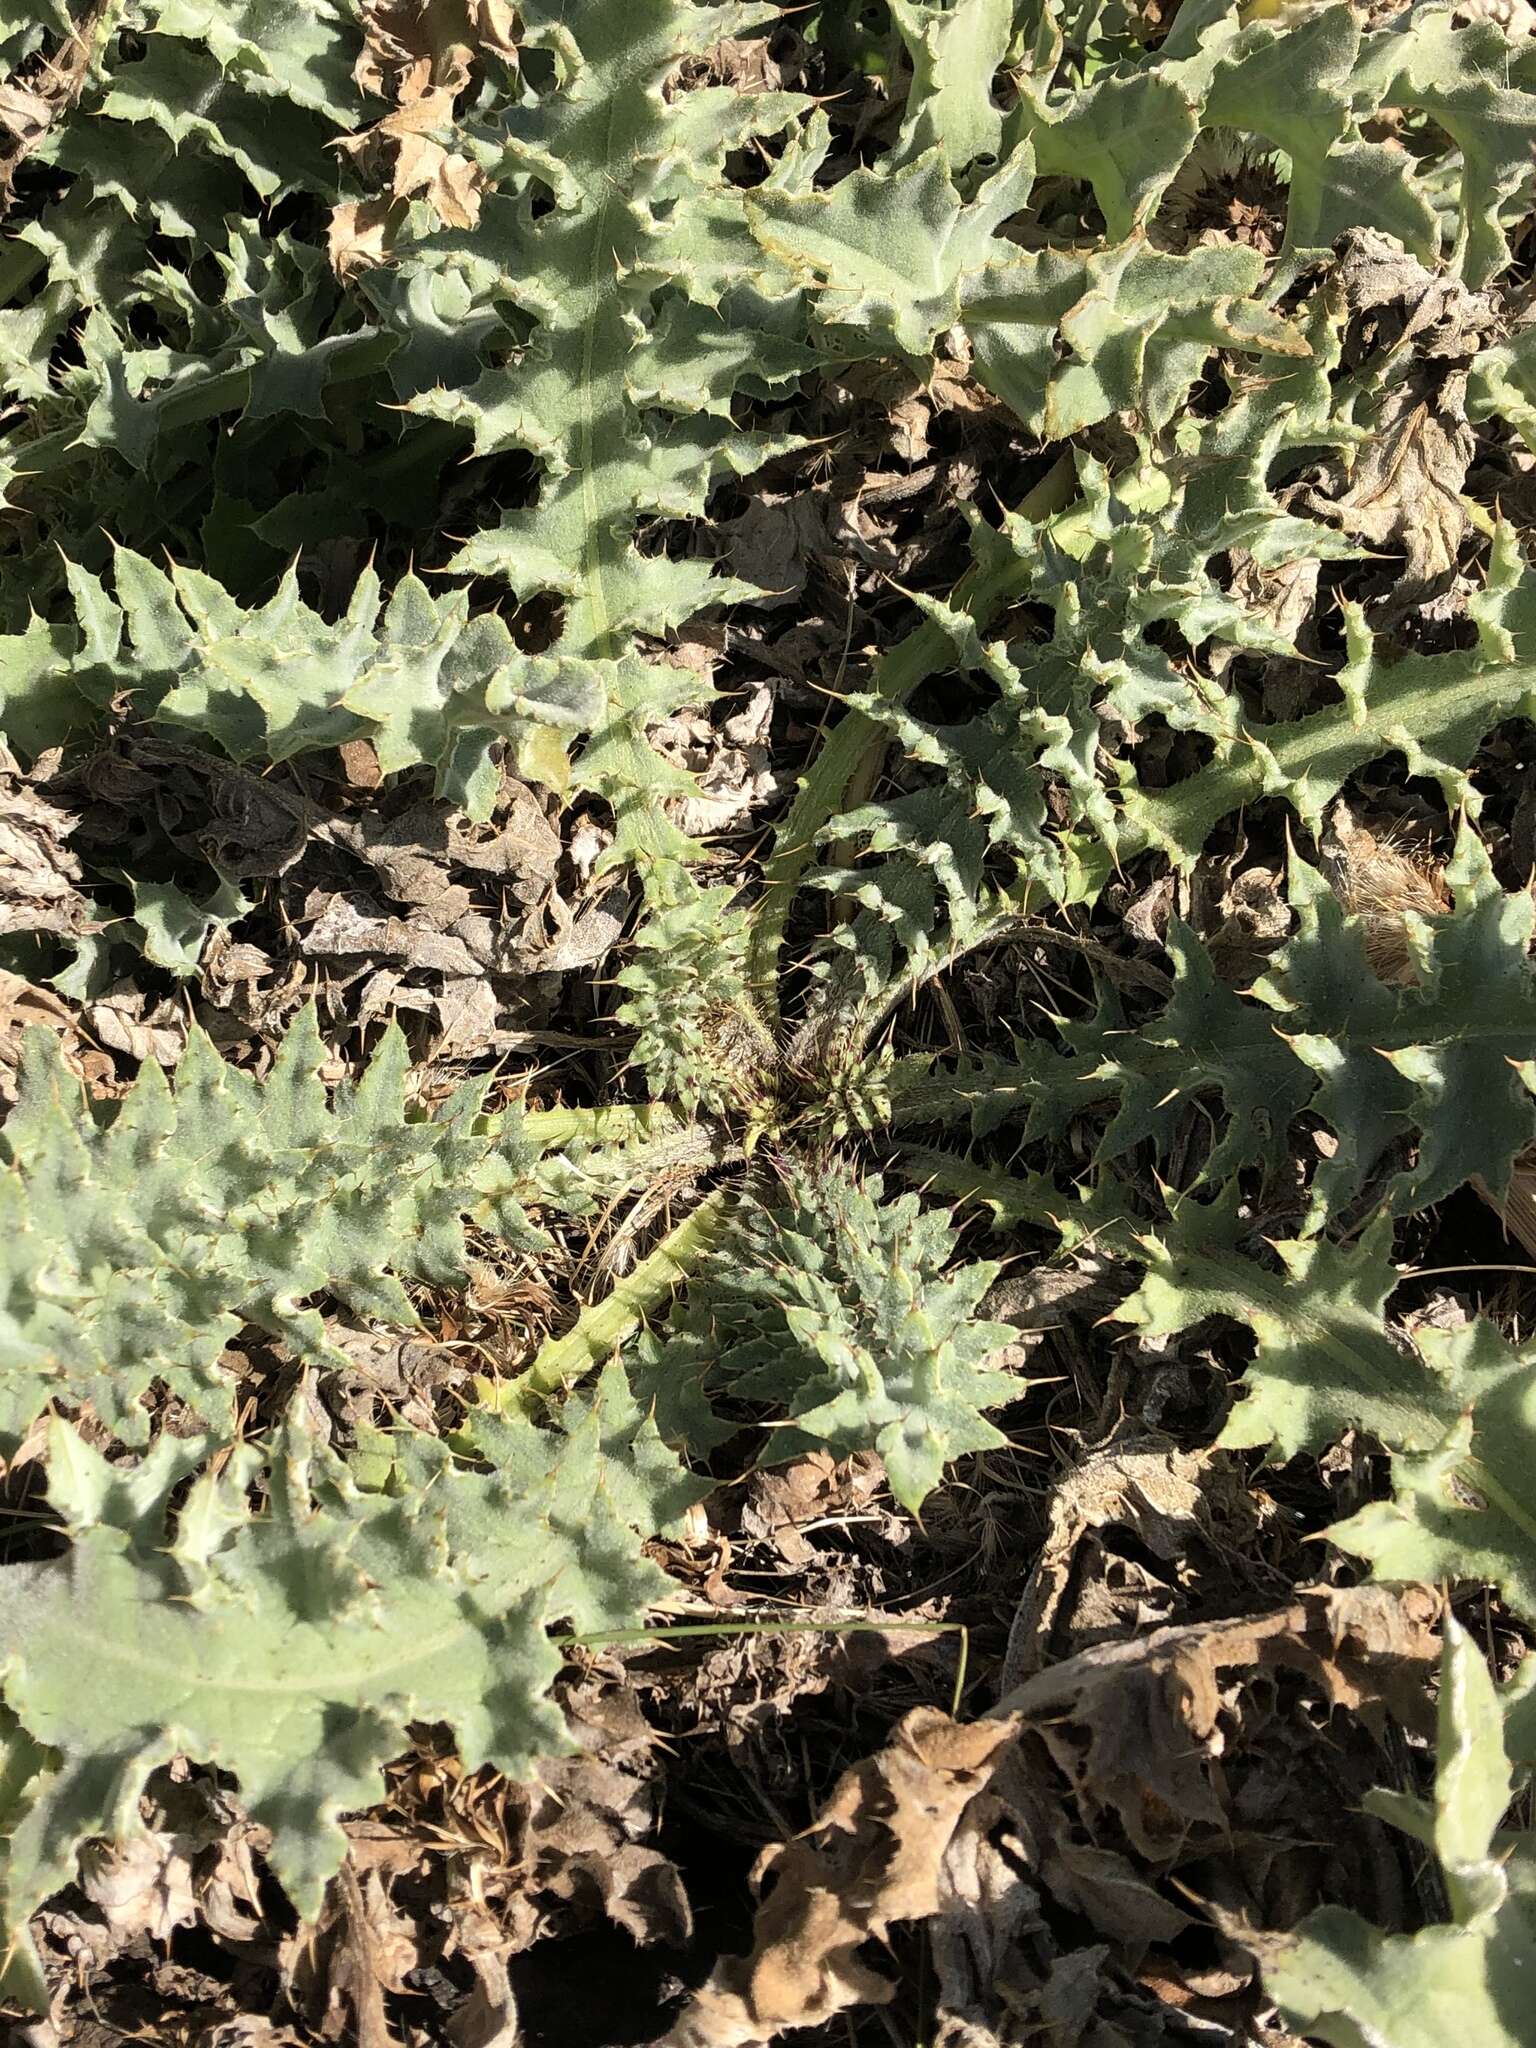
767, 1031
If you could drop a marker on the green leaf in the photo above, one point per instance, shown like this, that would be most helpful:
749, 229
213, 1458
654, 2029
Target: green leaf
295, 1647
135, 1251
1438, 1056
639, 205
1457, 1411
173, 928
419, 676
1433, 709
1126, 134
1464, 1508
1454, 75
40, 705
699, 1037
892, 251
955, 53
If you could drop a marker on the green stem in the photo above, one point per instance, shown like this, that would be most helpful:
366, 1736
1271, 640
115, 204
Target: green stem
19, 264
602, 1326
552, 1130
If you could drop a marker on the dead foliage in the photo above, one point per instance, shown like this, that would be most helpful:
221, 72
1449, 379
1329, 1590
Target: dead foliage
42, 92
417, 53
962, 1826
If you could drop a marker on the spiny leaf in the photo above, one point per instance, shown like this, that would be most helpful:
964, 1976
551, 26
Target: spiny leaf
418, 676
1437, 1056
1457, 1413
700, 1039
955, 53
835, 1306
1458, 1510
635, 204
136, 1251
294, 1648
1343, 1981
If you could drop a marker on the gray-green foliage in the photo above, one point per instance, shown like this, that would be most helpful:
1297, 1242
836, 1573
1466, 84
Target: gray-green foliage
135, 1248
637, 234
1435, 1058
533, 412
295, 1645
419, 677
700, 1038
834, 1305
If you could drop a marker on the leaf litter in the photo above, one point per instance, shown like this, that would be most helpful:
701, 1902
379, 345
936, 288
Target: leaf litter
496, 498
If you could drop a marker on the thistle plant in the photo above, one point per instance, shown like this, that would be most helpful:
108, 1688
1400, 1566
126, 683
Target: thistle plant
604, 293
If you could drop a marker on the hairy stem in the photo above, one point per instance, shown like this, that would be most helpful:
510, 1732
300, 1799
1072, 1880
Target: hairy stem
603, 1325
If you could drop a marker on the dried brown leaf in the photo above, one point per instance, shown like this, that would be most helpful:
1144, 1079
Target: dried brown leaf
1418, 332
871, 1860
30, 104
417, 53
1150, 1490
779, 1499
127, 1021
1135, 1726
913, 1832
141, 1885
22, 1005
361, 235
337, 1969
39, 871
732, 764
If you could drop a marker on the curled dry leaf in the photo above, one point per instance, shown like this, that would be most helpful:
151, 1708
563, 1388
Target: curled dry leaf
360, 234
338, 1969
780, 1500
23, 1005
732, 764
39, 871
1150, 1490
31, 104
141, 1885
127, 1021
1404, 490
872, 1859
1134, 1726
572, 1847
243, 824
418, 55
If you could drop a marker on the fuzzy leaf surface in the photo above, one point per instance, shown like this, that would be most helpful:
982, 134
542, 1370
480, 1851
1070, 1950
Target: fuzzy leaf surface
295, 1647
136, 1250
